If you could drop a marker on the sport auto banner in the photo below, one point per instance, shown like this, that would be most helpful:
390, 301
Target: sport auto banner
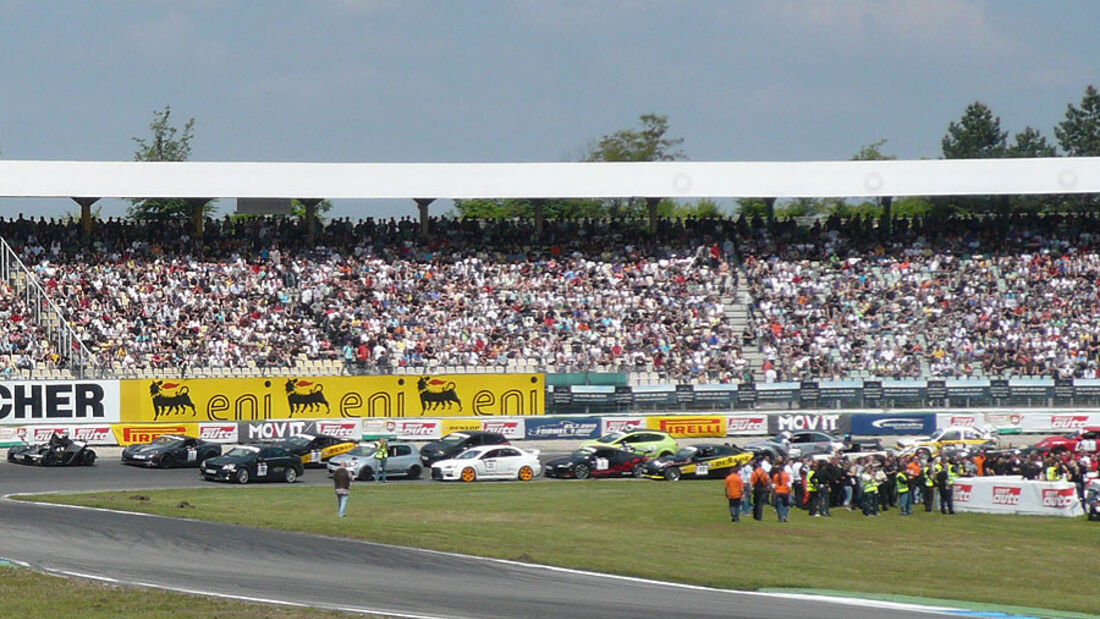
1059, 423
11, 435
891, 424
330, 397
1011, 495
131, 433
225, 433
969, 420
686, 426
408, 429
99, 434
514, 429
620, 424
746, 425
562, 428
834, 423
88, 401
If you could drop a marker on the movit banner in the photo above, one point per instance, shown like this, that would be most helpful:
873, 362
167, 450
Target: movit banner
510, 428
620, 424
92, 434
889, 424
746, 425
23, 402
331, 397
541, 428
687, 426
129, 433
1012, 495
836, 423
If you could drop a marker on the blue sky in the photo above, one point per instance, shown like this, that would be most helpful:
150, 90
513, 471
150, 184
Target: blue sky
535, 80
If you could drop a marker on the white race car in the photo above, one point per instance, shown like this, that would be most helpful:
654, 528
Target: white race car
489, 462
954, 437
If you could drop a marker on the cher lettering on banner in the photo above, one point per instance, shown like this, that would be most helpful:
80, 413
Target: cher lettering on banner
332, 397
24, 402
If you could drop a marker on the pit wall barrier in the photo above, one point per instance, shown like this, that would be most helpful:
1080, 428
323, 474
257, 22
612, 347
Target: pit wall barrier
1011, 495
568, 427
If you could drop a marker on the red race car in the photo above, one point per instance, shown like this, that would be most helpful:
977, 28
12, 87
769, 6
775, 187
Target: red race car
1083, 441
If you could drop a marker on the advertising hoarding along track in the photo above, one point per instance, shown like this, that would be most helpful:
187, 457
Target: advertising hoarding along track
331, 397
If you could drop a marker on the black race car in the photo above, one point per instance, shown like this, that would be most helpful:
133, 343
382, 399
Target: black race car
248, 462
314, 448
171, 450
698, 461
59, 451
597, 462
458, 442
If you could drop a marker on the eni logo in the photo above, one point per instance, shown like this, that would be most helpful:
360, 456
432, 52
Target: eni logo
305, 396
436, 393
170, 398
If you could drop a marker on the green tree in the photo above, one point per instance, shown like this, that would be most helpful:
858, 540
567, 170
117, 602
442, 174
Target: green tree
648, 142
298, 209
166, 143
514, 208
873, 152
977, 135
704, 208
1079, 133
1031, 143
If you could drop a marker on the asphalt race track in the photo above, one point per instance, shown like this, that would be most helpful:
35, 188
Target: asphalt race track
294, 568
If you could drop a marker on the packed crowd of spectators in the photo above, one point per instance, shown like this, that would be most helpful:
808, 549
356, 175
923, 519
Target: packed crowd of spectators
952, 297
375, 295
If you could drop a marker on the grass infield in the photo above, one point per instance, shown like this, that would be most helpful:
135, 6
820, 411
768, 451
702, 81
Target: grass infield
27, 593
677, 532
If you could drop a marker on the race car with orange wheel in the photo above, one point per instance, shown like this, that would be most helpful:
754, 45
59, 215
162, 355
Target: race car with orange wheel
489, 462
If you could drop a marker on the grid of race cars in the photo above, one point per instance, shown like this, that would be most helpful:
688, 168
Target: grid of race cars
469, 456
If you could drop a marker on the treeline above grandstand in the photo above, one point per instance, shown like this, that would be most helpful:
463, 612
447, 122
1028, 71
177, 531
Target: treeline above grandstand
701, 300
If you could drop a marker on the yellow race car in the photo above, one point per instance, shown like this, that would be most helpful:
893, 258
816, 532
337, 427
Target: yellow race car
698, 462
315, 448
954, 438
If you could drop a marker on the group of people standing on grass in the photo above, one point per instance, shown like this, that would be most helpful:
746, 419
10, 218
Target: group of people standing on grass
874, 485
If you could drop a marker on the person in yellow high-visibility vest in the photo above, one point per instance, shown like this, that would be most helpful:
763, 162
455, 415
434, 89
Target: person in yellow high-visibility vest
382, 454
905, 498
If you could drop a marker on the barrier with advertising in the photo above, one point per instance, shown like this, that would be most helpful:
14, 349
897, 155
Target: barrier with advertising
689, 426
460, 425
99, 434
92, 401
514, 429
1058, 423
562, 428
746, 425
131, 433
1012, 495
330, 397
407, 429
278, 429
11, 435
225, 433
838, 423
620, 424
890, 424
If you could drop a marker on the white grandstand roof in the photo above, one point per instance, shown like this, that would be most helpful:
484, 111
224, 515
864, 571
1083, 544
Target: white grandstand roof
813, 179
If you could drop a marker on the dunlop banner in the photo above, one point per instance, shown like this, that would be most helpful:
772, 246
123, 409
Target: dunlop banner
332, 397
129, 434
685, 426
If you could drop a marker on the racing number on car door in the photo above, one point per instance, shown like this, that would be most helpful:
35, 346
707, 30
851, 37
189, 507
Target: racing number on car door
261, 469
315, 456
192, 454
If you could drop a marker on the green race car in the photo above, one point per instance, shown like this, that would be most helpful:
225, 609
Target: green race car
650, 443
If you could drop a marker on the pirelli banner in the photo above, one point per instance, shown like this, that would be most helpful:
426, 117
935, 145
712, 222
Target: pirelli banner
331, 397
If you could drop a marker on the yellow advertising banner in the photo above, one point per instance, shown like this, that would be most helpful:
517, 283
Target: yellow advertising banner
688, 426
332, 397
130, 434
460, 425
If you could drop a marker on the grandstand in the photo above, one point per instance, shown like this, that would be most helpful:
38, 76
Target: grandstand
687, 301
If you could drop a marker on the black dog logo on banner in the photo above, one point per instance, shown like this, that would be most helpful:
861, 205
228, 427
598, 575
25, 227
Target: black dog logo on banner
304, 396
435, 393
164, 404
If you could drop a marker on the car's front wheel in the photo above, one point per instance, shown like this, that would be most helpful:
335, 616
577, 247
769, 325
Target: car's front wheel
672, 473
242, 476
291, 475
638, 470
581, 471
366, 474
165, 460
526, 473
468, 474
